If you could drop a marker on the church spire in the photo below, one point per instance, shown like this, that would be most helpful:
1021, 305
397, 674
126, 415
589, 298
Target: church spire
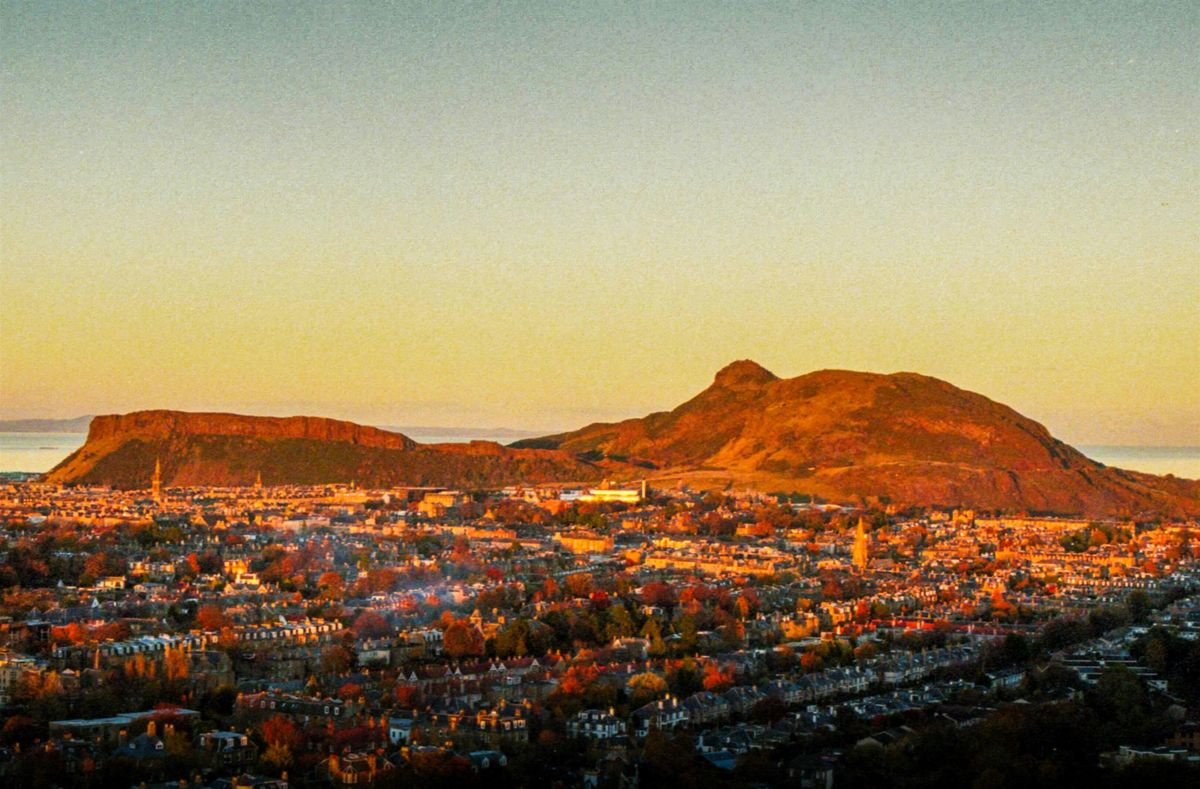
859, 554
156, 482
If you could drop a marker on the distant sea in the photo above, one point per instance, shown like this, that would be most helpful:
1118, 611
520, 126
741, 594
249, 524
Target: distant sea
39, 452
462, 437
36, 451
1180, 461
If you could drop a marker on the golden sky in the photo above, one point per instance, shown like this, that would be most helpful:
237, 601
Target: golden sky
545, 215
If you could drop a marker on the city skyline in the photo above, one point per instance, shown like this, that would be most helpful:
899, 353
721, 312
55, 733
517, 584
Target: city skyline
539, 217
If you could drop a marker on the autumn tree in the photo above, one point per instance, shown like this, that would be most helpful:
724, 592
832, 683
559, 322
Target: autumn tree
659, 594
646, 687
211, 617
36, 686
579, 584
210, 562
280, 730
716, 680
408, 696
102, 564
277, 758
377, 581
866, 651
748, 604
370, 624
461, 639
331, 586
336, 659
189, 567
73, 633
114, 631
578, 679
549, 590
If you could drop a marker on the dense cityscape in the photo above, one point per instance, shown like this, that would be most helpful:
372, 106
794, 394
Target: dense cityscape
618, 635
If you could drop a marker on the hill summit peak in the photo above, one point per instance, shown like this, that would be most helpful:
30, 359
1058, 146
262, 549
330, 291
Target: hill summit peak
743, 373
900, 439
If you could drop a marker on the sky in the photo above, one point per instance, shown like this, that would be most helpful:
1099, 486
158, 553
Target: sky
542, 215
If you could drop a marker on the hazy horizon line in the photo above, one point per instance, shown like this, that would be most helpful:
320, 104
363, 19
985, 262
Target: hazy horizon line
467, 430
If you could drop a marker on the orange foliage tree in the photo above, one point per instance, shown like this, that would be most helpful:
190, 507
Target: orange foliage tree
280, 730
462, 639
211, 617
717, 680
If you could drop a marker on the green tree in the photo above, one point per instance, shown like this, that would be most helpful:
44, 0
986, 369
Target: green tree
688, 634
1138, 604
652, 632
513, 639
620, 623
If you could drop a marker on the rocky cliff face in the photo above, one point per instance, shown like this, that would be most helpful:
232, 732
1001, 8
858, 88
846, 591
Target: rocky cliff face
903, 438
164, 424
232, 449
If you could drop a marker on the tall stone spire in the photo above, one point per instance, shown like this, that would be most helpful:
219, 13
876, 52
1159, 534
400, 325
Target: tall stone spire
859, 554
156, 482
